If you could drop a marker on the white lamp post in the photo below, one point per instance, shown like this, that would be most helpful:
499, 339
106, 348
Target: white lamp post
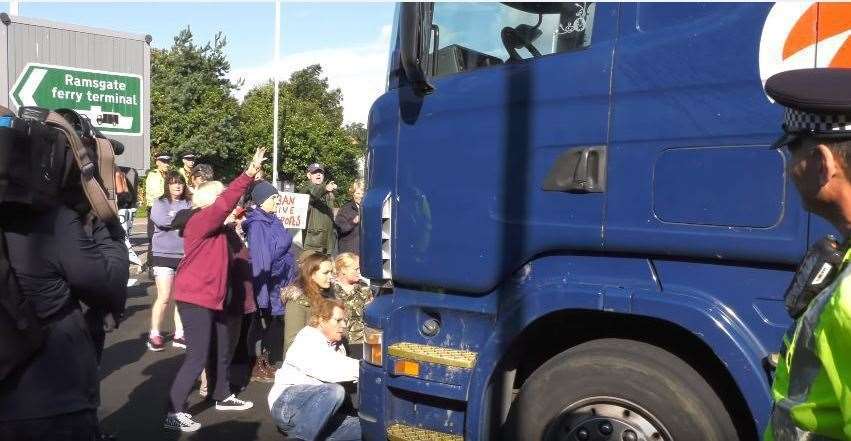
275, 97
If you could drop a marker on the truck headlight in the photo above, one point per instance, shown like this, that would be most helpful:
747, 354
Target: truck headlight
372, 346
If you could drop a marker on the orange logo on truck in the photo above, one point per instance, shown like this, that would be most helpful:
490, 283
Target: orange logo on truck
799, 35
830, 21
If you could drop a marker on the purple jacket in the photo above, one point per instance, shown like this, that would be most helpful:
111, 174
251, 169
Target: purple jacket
166, 241
272, 264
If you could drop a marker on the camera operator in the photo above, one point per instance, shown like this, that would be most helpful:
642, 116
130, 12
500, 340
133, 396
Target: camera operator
63, 258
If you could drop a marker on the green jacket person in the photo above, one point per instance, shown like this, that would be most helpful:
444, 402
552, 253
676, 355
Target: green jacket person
320, 236
812, 386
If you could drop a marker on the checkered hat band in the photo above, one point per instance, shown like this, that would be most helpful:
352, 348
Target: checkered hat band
797, 120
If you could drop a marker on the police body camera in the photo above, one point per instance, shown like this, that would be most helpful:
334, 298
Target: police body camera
817, 271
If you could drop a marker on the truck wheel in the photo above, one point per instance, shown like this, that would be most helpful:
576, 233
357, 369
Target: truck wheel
618, 390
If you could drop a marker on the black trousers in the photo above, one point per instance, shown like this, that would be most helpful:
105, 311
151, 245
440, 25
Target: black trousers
243, 352
199, 325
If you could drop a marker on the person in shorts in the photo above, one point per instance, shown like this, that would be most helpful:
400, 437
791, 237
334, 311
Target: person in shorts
166, 250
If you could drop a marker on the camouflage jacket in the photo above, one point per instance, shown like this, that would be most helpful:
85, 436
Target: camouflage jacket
355, 302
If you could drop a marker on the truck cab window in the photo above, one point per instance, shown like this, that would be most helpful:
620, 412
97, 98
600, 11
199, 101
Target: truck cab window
469, 36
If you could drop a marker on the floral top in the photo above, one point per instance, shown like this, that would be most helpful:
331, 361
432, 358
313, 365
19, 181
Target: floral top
355, 301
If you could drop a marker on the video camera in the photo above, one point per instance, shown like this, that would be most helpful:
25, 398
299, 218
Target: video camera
52, 157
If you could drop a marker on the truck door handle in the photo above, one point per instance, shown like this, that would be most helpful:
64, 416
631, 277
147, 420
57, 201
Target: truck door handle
578, 170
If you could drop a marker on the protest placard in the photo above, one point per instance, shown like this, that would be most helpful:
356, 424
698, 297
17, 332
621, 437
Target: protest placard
293, 209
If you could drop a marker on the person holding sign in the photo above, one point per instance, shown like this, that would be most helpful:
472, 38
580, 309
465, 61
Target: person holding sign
319, 235
271, 264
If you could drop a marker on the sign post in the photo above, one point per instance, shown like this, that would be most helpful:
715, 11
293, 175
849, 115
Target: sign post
111, 100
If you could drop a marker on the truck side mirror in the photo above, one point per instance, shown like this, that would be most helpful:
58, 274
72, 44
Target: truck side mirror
413, 47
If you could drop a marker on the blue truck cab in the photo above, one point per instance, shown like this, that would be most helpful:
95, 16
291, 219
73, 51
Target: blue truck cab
577, 221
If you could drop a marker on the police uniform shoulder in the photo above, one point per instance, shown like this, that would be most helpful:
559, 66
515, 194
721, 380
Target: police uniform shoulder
812, 90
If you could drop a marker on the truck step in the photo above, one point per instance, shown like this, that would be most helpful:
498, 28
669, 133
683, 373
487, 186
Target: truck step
401, 432
433, 354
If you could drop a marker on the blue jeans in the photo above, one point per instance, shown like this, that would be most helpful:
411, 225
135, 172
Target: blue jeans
310, 412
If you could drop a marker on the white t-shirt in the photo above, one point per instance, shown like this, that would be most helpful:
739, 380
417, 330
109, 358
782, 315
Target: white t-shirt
312, 359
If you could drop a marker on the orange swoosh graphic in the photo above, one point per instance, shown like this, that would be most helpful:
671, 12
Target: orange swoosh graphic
803, 34
818, 23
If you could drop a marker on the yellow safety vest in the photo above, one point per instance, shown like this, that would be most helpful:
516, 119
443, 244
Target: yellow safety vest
812, 384
154, 186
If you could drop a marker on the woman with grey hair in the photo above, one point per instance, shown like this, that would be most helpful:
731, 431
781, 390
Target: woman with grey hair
201, 291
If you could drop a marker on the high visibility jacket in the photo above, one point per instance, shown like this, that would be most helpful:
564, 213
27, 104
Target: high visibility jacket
154, 186
185, 175
812, 384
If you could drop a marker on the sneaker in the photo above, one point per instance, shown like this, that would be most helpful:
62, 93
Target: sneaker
233, 403
156, 343
179, 343
181, 421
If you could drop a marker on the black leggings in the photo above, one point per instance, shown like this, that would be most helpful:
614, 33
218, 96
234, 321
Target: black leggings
199, 324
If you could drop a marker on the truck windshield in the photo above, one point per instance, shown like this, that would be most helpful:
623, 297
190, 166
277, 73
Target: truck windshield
474, 35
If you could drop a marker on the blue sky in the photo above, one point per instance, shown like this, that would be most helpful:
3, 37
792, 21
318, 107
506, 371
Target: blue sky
349, 39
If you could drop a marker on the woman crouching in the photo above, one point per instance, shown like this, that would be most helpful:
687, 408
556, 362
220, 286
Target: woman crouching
306, 397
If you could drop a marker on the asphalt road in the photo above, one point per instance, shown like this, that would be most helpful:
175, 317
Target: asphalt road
135, 383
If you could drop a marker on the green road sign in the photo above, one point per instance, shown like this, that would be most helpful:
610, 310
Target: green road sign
111, 100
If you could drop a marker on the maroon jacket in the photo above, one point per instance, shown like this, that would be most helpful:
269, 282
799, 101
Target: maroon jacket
201, 277
241, 286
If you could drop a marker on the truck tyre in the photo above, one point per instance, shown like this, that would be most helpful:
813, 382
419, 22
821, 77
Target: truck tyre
618, 390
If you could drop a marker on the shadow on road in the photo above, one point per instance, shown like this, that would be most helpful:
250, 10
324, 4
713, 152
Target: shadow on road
228, 430
200, 407
134, 309
140, 289
121, 354
146, 405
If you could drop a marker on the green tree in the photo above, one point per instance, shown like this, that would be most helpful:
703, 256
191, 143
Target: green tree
310, 130
308, 85
357, 133
192, 110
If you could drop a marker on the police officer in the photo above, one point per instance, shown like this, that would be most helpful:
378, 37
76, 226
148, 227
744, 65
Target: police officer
154, 184
188, 165
812, 385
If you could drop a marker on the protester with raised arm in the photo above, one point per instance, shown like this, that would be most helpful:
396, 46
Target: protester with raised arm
201, 290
